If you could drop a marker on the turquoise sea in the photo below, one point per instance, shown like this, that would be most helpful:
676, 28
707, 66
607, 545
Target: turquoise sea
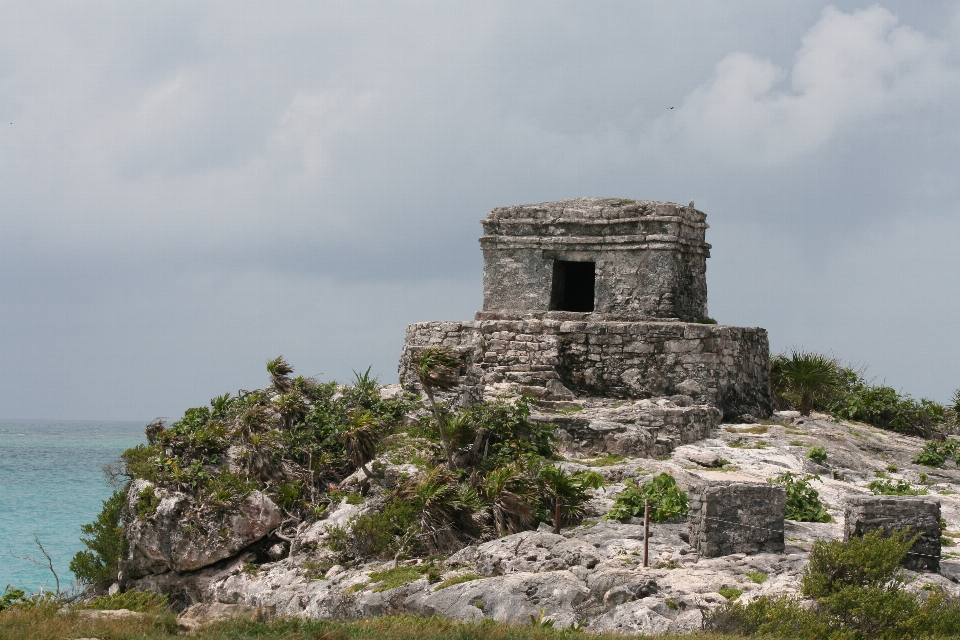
51, 482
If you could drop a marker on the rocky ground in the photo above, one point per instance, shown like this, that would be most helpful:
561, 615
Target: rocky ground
592, 575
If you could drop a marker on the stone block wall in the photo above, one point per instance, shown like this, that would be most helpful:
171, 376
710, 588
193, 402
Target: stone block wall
736, 517
556, 359
644, 429
863, 514
650, 257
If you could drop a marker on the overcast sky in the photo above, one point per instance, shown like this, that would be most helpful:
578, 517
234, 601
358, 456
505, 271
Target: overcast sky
188, 189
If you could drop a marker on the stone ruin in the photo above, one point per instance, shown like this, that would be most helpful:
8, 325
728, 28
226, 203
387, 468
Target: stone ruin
603, 298
919, 515
736, 517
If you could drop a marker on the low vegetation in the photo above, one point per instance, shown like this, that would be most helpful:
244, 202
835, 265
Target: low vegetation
805, 381
858, 592
803, 501
667, 500
483, 471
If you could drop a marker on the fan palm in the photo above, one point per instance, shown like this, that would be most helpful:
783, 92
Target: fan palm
361, 441
510, 495
567, 492
280, 371
437, 368
808, 375
450, 513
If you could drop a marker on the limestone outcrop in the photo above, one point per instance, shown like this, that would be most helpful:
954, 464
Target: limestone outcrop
175, 533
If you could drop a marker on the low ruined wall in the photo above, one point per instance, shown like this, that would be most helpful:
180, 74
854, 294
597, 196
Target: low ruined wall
727, 367
736, 517
864, 514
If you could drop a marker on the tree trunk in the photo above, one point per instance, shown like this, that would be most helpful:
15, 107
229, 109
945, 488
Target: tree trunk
556, 517
443, 432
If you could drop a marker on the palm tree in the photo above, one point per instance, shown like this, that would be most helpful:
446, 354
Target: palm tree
437, 368
811, 376
567, 492
280, 371
511, 496
361, 441
449, 513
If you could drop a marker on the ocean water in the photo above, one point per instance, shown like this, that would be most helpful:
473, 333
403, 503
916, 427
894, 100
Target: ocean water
51, 482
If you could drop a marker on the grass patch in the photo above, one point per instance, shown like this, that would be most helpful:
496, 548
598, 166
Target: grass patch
466, 577
797, 443
605, 461
44, 623
393, 578
947, 492
569, 410
757, 577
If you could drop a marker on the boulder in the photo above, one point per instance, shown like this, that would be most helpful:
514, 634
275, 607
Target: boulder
201, 614
510, 598
534, 551
182, 535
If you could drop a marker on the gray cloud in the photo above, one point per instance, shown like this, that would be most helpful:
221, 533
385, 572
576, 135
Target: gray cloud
189, 189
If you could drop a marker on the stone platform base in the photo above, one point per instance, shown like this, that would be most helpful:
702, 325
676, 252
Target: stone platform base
560, 359
645, 428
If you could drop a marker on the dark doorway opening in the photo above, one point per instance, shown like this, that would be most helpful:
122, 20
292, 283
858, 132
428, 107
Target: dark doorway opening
572, 286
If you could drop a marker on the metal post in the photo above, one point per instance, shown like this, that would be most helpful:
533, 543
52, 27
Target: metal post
646, 531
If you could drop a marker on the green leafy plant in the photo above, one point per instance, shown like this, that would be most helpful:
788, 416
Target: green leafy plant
105, 543
888, 487
12, 597
667, 500
936, 453
803, 501
818, 455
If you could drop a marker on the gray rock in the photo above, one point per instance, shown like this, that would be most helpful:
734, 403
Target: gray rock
184, 536
198, 615
533, 551
632, 618
510, 598
628, 593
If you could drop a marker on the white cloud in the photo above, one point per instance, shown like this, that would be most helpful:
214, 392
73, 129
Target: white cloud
850, 68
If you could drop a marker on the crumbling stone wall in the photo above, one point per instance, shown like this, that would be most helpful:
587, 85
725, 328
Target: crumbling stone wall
643, 429
650, 257
863, 514
736, 517
554, 359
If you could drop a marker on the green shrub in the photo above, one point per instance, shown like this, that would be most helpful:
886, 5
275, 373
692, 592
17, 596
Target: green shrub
142, 601
885, 407
141, 462
804, 380
12, 597
757, 577
147, 502
803, 501
818, 455
888, 487
105, 545
667, 500
382, 533
936, 453
858, 591
730, 593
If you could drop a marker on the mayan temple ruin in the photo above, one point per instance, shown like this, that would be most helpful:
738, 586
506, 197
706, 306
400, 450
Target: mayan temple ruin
603, 298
